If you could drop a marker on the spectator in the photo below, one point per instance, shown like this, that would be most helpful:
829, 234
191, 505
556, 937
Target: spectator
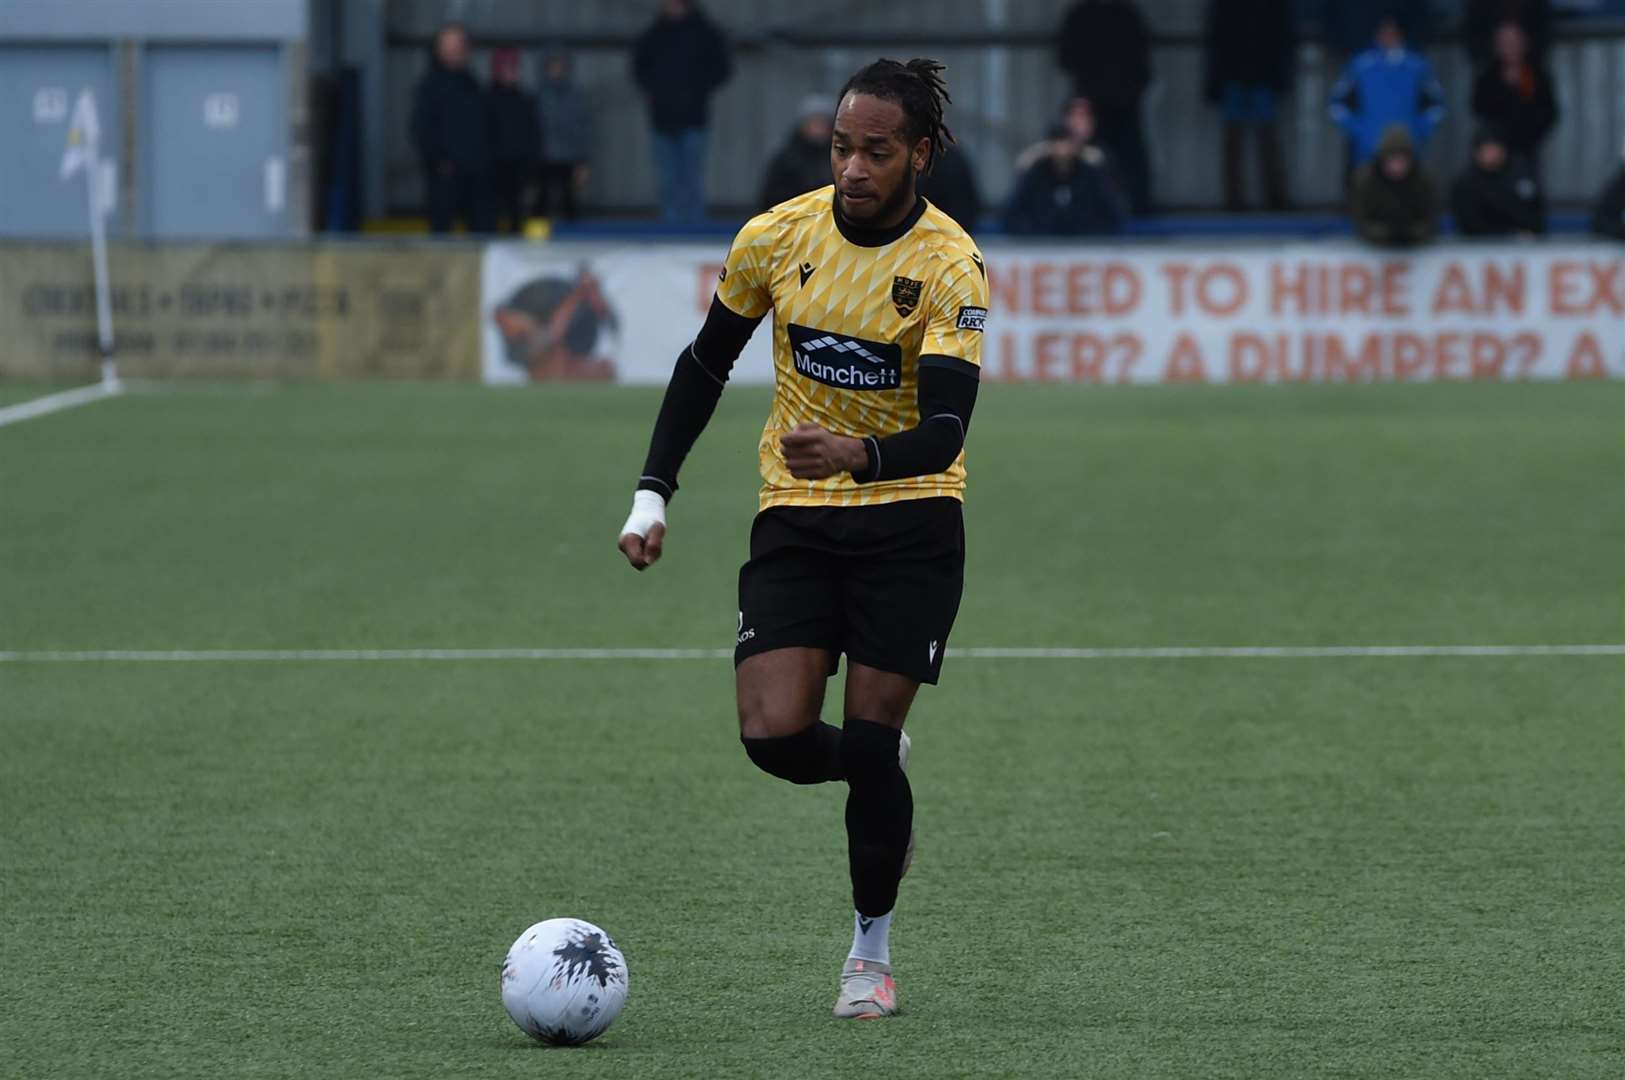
1484, 18
1349, 25
1106, 49
1392, 201
678, 62
1514, 96
566, 124
1068, 191
1250, 64
515, 138
448, 126
1387, 84
1608, 217
1498, 193
802, 163
951, 187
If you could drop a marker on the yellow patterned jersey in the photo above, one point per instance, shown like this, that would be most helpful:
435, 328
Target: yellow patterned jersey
853, 312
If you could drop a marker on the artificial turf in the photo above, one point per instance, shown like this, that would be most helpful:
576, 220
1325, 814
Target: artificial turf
1140, 868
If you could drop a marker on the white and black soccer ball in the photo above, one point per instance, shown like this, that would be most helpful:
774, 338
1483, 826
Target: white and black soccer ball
564, 982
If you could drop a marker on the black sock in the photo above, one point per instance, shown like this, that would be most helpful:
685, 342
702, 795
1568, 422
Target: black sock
879, 814
810, 756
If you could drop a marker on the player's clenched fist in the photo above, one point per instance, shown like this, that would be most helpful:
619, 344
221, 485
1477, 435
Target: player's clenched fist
811, 453
644, 533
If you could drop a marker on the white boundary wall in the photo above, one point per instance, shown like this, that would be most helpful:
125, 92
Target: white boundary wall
1152, 314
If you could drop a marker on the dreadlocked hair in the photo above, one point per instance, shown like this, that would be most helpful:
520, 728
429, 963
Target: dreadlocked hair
917, 88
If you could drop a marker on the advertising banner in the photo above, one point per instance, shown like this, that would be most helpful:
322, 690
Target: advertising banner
1318, 313
244, 311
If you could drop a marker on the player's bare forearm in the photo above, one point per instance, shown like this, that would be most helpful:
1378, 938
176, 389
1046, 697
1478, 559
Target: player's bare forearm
811, 453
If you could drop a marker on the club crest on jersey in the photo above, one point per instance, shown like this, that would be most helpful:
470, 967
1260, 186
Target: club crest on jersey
905, 295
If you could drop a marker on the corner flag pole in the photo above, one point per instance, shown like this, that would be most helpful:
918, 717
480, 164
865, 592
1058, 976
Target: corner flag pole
84, 146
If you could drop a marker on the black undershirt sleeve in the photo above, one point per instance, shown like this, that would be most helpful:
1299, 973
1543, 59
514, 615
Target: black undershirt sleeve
691, 397
947, 394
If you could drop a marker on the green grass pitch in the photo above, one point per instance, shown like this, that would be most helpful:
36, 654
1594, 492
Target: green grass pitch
1337, 867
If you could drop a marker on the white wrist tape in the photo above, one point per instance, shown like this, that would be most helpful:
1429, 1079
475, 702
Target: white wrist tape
648, 510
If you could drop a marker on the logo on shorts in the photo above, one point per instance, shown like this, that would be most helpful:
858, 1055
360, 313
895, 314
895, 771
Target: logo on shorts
972, 318
744, 635
846, 362
905, 295
932, 652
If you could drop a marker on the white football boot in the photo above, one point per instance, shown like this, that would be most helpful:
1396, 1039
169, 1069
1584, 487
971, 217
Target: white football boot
867, 991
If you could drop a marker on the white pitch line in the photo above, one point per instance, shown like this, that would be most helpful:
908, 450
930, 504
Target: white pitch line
50, 403
1253, 652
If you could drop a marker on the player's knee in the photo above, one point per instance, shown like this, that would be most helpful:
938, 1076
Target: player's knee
868, 750
780, 757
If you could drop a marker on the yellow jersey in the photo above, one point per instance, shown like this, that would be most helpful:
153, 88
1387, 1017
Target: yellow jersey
853, 312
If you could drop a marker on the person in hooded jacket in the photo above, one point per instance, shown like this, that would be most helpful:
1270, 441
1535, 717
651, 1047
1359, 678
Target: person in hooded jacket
515, 138
1068, 191
449, 129
1392, 197
1498, 194
566, 124
802, 163
679, 62
951, 187
1387, 84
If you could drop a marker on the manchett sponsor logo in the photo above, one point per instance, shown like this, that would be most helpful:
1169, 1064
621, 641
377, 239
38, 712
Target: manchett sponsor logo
846, 362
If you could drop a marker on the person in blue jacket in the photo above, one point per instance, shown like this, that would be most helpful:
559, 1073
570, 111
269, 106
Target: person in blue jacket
1385, 85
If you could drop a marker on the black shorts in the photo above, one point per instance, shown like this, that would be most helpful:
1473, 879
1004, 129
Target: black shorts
878, 583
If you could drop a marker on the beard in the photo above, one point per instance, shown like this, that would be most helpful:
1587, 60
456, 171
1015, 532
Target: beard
886, 209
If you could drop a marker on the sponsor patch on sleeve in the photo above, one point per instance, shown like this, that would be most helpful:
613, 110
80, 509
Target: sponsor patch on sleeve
972, 318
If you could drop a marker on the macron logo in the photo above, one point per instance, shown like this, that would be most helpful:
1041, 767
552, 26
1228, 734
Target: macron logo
933, 652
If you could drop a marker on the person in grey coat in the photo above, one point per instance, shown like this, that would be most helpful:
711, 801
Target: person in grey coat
566, 139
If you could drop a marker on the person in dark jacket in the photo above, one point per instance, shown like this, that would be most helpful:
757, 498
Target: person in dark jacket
566, 124
1608, 216
951, 187
1250, 60
1498, 193
1385, 85
1484, 18
515, 138
1392, 201
1069, 191
802, 163
1514, 96
448, 126
1106, 49
678, 62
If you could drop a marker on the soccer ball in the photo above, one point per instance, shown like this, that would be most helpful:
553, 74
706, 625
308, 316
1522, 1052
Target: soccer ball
564, 982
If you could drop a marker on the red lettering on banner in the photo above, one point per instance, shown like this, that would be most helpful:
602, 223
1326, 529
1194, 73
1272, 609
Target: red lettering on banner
1454, 294
1530, 344
1044, 287
1251, 356
1588, 288
1410, 356
1088, 359
1353, 288
1046, 357
1185, 362
1176, 273
1586, 361
1366, 365
1221, 290
1488, 357
1121, 288
1446, 356
1500, 289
